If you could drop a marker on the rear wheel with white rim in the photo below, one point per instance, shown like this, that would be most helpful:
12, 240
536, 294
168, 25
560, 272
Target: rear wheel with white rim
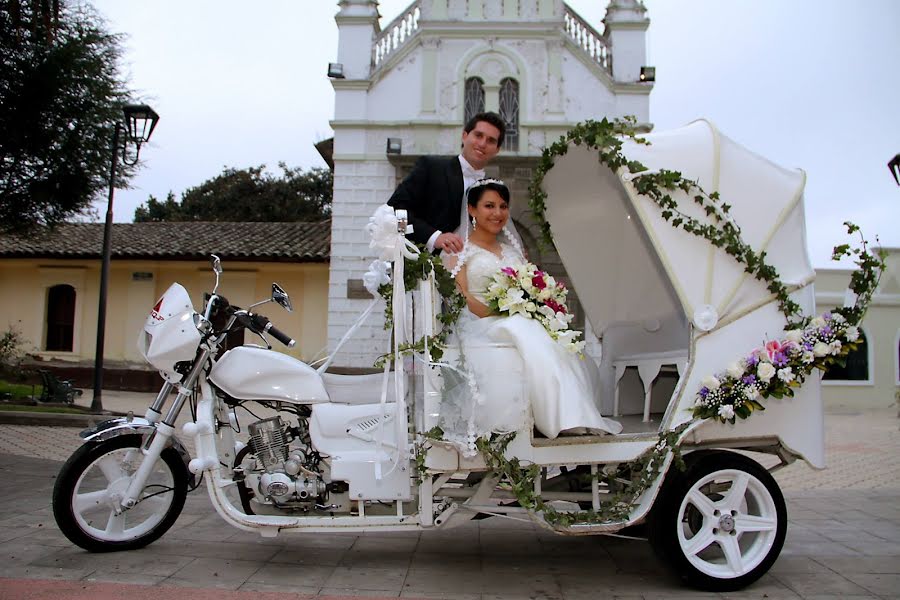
720, 524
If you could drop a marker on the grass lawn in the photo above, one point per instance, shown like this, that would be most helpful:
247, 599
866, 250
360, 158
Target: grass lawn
20, 391
41, 409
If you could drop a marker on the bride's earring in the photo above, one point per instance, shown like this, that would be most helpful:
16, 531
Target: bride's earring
474, 223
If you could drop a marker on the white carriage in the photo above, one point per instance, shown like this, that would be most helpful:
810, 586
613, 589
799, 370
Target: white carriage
660, 300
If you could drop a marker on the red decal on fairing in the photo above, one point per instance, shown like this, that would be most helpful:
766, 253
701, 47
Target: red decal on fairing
155, 312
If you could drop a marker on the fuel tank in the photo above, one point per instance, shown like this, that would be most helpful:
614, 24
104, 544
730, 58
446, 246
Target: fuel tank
254, 373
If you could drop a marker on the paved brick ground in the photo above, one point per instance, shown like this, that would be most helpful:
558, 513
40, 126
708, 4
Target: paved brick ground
843, 542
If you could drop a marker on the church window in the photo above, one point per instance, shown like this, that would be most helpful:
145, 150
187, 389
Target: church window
509, 111
474, 101
60, 318
856, 367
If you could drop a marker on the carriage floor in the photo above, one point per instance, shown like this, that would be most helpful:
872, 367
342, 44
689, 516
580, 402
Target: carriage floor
631, 424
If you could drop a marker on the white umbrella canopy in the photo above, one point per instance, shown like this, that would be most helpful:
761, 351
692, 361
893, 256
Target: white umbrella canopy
628, 264
643, 282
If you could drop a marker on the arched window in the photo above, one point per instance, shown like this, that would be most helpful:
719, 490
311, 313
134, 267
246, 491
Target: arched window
60, 318
509, 111
857, 366
474, 100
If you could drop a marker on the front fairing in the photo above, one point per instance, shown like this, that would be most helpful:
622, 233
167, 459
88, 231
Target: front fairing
170, 334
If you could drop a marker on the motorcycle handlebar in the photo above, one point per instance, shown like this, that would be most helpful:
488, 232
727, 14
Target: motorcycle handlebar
280, 335
264, 325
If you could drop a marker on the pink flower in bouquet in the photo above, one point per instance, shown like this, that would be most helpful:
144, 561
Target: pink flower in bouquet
509, 271
557, 307
776, 348
538, 280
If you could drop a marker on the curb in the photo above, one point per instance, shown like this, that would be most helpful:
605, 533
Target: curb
54, 419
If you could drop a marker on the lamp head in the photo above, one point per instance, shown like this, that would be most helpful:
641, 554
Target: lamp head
140, 120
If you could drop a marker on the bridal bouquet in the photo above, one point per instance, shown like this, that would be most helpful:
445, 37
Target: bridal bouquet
526, 290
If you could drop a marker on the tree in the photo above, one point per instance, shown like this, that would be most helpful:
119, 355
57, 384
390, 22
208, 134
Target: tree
249, 195
60, 96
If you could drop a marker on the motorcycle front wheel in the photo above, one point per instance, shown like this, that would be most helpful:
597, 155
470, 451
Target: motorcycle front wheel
92, 482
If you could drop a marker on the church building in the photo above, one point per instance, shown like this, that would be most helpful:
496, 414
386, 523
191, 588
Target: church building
405, 90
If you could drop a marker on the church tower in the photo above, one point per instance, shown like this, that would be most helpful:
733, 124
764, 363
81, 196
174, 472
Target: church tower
407, 88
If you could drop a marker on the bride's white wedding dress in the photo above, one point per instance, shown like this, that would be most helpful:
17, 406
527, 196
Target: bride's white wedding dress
559, 386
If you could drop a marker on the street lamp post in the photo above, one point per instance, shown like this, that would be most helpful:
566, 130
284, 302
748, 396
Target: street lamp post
140, 121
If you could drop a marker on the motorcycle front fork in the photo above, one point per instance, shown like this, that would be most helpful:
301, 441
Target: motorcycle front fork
163, 431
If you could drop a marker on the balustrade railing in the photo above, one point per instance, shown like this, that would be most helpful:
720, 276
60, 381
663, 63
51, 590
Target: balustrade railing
401, 30
397, 33
587, 38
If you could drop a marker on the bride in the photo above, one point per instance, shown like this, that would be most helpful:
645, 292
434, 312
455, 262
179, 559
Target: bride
559, 385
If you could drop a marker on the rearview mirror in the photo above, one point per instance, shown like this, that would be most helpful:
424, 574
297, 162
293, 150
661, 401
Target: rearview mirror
281, 297
216, 264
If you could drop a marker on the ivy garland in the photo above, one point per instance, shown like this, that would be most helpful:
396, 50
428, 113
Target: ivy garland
630, 480
607, 138
626, 484
414, 271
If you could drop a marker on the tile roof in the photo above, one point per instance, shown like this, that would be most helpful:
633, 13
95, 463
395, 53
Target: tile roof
267, 242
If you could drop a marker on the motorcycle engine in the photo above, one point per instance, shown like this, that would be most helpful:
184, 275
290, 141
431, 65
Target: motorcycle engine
279, 469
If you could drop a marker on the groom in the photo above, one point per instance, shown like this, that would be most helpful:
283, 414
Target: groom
433, 190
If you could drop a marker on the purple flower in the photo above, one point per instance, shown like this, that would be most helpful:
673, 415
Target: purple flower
780, 359
808, 346
752, 360
826, 330
749, 379
826, 316
704, 392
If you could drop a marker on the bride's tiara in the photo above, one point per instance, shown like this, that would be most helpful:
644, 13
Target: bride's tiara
486, 181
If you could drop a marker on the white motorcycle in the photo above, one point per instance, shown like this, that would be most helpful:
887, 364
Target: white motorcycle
351, 453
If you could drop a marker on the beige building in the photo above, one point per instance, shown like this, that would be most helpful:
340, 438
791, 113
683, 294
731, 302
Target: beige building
49, 291
49, 283
872, 376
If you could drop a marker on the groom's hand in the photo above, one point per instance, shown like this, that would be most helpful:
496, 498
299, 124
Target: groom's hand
449, 242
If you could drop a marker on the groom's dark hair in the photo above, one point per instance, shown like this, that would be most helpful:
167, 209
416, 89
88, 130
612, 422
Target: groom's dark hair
490, 118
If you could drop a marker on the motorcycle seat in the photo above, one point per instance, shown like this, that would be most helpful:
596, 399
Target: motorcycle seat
358, 389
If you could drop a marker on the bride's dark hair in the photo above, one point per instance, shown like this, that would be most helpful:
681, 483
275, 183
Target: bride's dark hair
477, 190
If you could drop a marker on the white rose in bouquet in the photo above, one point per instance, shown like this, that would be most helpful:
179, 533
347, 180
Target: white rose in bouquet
711, 383
818, 322
794, 335
852, 333
765, 371
735, 370
726, 411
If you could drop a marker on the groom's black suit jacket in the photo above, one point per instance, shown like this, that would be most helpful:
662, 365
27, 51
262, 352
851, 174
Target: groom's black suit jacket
432, 194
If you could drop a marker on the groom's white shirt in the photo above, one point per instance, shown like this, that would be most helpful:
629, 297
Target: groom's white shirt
470, 176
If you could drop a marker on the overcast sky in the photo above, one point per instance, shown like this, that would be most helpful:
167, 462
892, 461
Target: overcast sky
807, 83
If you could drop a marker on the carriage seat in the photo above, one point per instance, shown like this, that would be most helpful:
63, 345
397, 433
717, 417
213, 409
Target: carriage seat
648, 364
